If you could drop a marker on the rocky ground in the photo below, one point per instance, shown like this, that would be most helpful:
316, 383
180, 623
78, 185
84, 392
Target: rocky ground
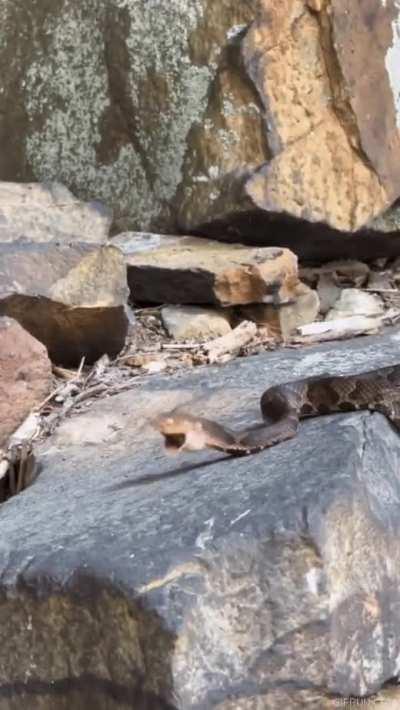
205, 581
242, 112
269, 133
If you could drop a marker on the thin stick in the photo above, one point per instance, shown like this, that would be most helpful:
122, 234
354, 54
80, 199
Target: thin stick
381, 290
182, 346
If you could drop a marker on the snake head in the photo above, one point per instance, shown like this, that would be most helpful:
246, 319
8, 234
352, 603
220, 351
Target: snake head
181, 432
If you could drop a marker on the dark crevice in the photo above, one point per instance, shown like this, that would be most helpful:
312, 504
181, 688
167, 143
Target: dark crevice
23, 469
86, 685
99, 608
312, 242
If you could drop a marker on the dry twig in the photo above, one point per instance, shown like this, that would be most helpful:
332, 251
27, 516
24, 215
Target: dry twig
320, 331
231, 343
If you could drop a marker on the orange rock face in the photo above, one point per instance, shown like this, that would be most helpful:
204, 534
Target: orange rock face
199, 271
322, 71
25, 375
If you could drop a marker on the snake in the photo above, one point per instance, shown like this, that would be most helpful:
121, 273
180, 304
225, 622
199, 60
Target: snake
283, 406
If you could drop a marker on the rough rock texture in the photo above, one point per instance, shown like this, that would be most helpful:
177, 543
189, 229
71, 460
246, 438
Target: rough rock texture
207, 115
388, 222
286, 318
323, 79
264, 582
191, 270
327, 80
43, 213
328, 292
194, 323
387, 699
353, 302
25, 376
71, 298
107, 97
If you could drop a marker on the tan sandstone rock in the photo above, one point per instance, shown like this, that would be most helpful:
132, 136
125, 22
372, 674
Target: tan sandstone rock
284, 320
25, 376
199, 271
324, 78
194, 323
71, 298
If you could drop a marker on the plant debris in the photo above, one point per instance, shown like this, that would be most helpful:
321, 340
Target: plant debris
149, 350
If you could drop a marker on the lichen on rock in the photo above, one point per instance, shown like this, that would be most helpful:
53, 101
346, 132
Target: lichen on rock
100, 59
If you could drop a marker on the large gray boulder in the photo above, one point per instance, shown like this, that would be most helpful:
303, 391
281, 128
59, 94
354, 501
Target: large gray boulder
132, 580
208, 116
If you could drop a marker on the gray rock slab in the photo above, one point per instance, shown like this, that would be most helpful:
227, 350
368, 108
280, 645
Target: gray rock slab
205, 581
44, 212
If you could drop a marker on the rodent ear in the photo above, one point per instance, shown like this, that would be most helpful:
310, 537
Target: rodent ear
161, 420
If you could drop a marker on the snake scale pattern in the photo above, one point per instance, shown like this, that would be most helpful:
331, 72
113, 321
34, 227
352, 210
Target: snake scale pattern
282, 407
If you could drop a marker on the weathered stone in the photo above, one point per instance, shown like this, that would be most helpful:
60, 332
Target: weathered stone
313, 194
381, 280
284, 320
353, 302
49, 212
322, 93
194, 323
135, 242
198, 271
301, 62
25, 376
348, 272
221, 119
328, 292
71, 298
311, 699
108, 97
206, 582
389, 222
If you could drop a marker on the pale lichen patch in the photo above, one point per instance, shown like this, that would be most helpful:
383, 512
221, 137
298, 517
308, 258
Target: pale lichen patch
68, 93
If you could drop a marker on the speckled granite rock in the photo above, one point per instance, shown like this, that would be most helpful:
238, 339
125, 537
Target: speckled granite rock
106, 95
205, 582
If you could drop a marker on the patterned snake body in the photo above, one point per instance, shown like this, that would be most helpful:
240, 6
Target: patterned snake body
282, 407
